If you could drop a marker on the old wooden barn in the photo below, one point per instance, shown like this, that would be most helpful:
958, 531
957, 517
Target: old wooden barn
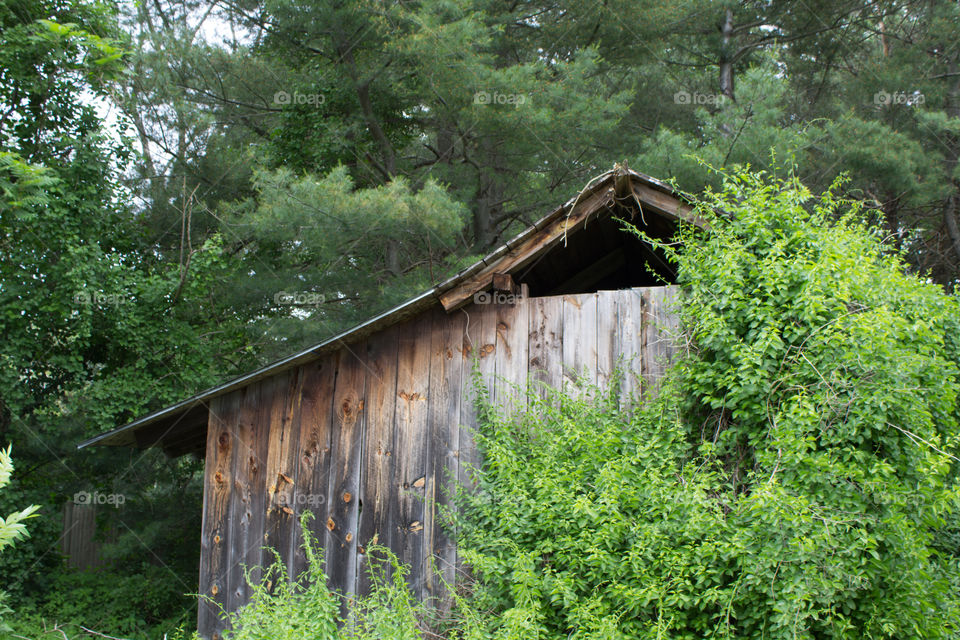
370, 429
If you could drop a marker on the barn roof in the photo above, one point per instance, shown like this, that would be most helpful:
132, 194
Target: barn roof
620, 188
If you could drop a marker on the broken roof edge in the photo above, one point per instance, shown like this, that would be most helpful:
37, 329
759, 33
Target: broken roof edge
124, 435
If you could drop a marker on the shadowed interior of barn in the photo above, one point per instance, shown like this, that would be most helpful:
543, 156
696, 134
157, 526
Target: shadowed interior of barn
372, 430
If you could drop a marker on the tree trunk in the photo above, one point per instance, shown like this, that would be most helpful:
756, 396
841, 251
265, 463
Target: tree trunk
393, 257
362, 89
482, 218
726, 56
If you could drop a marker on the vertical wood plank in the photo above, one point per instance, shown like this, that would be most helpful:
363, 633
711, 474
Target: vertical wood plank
282, 464
480, 333
630, 343
341, 525
412, 446
446, 347
480, 344
659, 326
545, 343
580, 352
311, 491
256, 463
671, 320
379, 489
511, 355
289, 471
78, 541
607, 329
215, 528
241, 513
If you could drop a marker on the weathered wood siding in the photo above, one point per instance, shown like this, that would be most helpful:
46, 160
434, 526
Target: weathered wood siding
78, 542
372, 439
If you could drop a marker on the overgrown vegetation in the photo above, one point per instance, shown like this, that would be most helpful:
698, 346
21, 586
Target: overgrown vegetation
189, 189
794, 479
136, 604
12, 527
285, 609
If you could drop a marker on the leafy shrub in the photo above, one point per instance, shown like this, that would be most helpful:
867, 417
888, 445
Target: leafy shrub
306, 609
12, 528
796, 478
136, 605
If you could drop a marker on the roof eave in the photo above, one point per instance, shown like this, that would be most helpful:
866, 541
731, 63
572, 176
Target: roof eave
124, 435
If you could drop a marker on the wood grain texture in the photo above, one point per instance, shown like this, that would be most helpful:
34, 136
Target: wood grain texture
666, 204
659, 334
511, 355
282, 464
629, 343
255, 460
443, 401
379, 492
215, 529
375, 438
341, 524
608, 326
241, 513
314, 445
545, 343
412, 448
580, 339
480, 333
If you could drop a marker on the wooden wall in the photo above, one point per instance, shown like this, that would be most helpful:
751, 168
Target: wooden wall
78, 541
371, 438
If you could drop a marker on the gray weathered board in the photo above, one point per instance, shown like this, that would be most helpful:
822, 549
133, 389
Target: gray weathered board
373, 439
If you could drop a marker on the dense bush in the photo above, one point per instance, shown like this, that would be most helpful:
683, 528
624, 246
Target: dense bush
793, 480
12, 527
305, 608
145, 604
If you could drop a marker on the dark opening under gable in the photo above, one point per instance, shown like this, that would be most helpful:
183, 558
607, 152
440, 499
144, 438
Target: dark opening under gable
602, 255
583, 246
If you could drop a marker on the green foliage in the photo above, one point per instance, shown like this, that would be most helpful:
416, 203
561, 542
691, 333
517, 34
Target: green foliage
132, 605
795, 478
94, 318
284, 609
318, 254
589, 524
12, 528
